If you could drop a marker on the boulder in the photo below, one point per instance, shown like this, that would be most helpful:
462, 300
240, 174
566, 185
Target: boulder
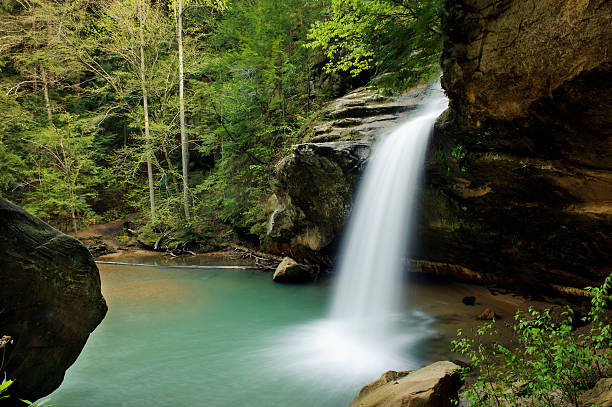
314, 187
50, 301
600, 395
290, 271
436, 385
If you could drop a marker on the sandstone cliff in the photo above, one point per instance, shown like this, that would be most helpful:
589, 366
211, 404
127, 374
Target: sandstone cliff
519, 183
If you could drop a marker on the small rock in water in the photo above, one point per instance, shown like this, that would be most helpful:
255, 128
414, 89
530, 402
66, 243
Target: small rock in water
487, 315
469, 300
290, 271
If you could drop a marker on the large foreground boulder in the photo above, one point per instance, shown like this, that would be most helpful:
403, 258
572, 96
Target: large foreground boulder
435, 385
50, 301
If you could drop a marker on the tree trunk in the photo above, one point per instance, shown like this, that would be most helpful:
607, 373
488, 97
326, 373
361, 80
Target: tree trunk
46, 94
145, 107
184, 137
74, 217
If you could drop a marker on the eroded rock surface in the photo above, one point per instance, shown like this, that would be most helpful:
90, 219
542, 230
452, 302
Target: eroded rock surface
435, 385
600, 395
539, 72
50, 301
519, 180
314, 185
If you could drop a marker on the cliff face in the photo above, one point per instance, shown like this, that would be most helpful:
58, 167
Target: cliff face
518, 185
50, 301
538, 72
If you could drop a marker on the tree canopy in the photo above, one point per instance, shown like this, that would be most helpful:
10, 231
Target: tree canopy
180, 109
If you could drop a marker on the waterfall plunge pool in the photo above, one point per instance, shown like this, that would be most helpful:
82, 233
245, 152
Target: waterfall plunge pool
189, 337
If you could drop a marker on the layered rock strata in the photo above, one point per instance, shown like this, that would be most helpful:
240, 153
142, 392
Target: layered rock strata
315, 183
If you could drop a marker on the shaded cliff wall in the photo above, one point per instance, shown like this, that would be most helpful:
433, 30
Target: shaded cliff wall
519, 181
537, 72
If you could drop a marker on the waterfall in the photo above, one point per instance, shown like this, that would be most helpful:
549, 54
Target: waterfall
367, 332
369, 284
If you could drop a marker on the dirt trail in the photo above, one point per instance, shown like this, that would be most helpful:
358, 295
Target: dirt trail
107, 233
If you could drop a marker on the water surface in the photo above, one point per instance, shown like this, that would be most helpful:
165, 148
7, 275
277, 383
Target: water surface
176, 337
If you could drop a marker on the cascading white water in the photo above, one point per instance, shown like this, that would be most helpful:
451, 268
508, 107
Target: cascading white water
368, 287
362, 338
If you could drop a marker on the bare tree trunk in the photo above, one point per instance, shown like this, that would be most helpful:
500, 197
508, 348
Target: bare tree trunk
43, 72
145, 106
67, 172
184, 137
73, 215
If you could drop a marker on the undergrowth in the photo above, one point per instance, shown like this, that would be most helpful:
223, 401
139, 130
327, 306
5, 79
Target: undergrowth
553, 362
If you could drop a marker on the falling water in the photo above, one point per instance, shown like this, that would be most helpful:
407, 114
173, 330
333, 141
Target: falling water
368, 288
367, 333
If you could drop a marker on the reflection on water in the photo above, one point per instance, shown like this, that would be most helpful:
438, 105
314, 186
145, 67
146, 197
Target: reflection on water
176, 337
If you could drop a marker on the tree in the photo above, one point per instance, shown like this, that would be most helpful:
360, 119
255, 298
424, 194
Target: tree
178, 19
33, 38
136, 31
33, 44
401, 37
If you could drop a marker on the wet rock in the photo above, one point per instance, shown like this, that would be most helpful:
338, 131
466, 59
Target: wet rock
50, 301
487, 315
600, 395
468, 300
433, 386
290, 271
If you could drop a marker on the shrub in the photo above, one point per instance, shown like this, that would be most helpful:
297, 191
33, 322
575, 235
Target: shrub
552, 362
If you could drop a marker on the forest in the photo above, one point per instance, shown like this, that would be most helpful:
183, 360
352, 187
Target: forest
179, 110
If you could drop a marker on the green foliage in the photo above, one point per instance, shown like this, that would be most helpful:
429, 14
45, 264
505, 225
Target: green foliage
401, 37
73, 148
552, 362
4, 385
251, 104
